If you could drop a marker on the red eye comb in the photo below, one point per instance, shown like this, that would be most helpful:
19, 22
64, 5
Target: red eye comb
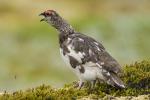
47, 12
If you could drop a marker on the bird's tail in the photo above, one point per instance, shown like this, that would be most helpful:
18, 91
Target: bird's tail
115, 81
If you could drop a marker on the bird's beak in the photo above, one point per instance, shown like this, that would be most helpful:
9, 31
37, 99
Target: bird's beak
42, 14
42, 20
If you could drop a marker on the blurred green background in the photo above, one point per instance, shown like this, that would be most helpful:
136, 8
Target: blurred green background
29, 50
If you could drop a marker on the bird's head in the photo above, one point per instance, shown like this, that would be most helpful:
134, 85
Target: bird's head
50, 16
53, 18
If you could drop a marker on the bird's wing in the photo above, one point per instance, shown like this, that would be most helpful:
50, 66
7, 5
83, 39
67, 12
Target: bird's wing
94, 51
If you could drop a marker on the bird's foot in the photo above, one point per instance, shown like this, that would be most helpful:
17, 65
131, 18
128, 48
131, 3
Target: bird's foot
79, 84
92, 85
75, 84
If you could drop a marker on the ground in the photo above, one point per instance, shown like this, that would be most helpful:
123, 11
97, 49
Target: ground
136, 77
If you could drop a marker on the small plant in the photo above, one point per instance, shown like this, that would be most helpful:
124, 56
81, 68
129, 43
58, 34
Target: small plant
135, 76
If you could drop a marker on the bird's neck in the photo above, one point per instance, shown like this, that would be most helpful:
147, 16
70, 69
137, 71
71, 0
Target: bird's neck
63, 27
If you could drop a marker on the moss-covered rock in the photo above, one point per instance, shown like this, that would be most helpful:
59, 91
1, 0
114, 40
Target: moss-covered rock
135, 76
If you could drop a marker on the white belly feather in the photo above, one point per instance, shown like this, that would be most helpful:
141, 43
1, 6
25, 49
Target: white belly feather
65, 58
91, 70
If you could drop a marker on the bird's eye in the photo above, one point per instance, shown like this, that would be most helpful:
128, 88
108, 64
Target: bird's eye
47, 14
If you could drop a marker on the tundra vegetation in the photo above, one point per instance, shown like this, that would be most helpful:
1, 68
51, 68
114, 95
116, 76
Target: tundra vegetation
136, 77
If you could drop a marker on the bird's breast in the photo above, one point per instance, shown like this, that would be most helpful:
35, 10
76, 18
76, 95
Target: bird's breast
65, 57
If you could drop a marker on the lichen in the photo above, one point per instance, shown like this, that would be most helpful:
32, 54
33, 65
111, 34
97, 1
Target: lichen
136, 77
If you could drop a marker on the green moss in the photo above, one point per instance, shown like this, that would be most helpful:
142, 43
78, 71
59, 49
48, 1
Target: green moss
135, 76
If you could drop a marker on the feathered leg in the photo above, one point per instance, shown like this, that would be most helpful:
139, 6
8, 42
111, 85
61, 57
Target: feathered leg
93, 84
81, 83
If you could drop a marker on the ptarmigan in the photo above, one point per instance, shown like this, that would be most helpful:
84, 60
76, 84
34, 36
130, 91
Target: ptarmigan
87, 57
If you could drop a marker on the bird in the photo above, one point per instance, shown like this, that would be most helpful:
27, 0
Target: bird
86, 57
